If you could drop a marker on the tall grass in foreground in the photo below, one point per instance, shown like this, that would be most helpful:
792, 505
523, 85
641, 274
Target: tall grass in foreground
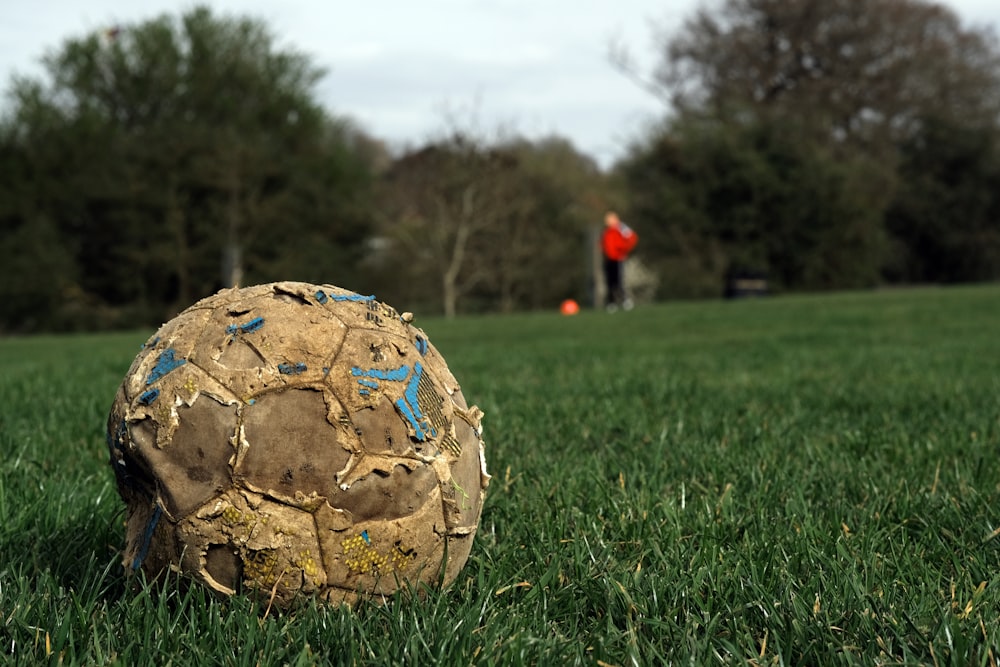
808, 480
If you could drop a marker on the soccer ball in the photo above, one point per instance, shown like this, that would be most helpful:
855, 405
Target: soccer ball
296, 440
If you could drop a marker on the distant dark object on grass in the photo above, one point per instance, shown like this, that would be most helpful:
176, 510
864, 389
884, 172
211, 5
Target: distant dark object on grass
741, 284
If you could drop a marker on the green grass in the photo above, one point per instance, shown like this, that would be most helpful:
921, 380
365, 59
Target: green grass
801, 480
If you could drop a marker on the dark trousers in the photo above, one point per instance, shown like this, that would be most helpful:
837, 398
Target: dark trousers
613, 281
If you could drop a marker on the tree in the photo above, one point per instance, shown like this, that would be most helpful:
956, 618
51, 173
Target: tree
437, 200
37, 272
494, 226
187, 154
718, 199
797, 125
945, 219
540, 255
864, 72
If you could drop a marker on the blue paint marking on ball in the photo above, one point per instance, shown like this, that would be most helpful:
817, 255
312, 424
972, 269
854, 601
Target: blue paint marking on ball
148, 397
366, 387
408, 405
422, 346
292, 369
352, 297
397, 375
247, 327
165, 363
252, 325
323, 297
147, 537
410, 408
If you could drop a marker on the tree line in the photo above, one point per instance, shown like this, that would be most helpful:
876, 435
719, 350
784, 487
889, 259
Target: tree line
823, 144
827, 144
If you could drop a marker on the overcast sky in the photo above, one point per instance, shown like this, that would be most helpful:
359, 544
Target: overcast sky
401, 68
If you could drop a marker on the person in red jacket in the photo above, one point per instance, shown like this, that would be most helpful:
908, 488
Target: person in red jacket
617, 243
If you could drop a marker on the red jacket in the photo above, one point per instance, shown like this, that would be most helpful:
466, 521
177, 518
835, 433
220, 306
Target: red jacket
618, 241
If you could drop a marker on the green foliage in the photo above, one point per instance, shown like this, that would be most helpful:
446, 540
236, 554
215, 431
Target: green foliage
946, 217
828, 143
540, 256
861, 74
176, 156
800, 480
714, 199
473, 225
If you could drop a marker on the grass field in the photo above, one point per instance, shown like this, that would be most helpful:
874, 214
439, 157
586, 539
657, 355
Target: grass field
800, 480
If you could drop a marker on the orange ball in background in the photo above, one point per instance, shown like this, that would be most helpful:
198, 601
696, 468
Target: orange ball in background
569, 307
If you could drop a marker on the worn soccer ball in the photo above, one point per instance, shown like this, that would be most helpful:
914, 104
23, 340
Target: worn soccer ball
297, 440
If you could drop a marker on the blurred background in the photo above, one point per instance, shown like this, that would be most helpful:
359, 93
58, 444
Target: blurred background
455, 159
